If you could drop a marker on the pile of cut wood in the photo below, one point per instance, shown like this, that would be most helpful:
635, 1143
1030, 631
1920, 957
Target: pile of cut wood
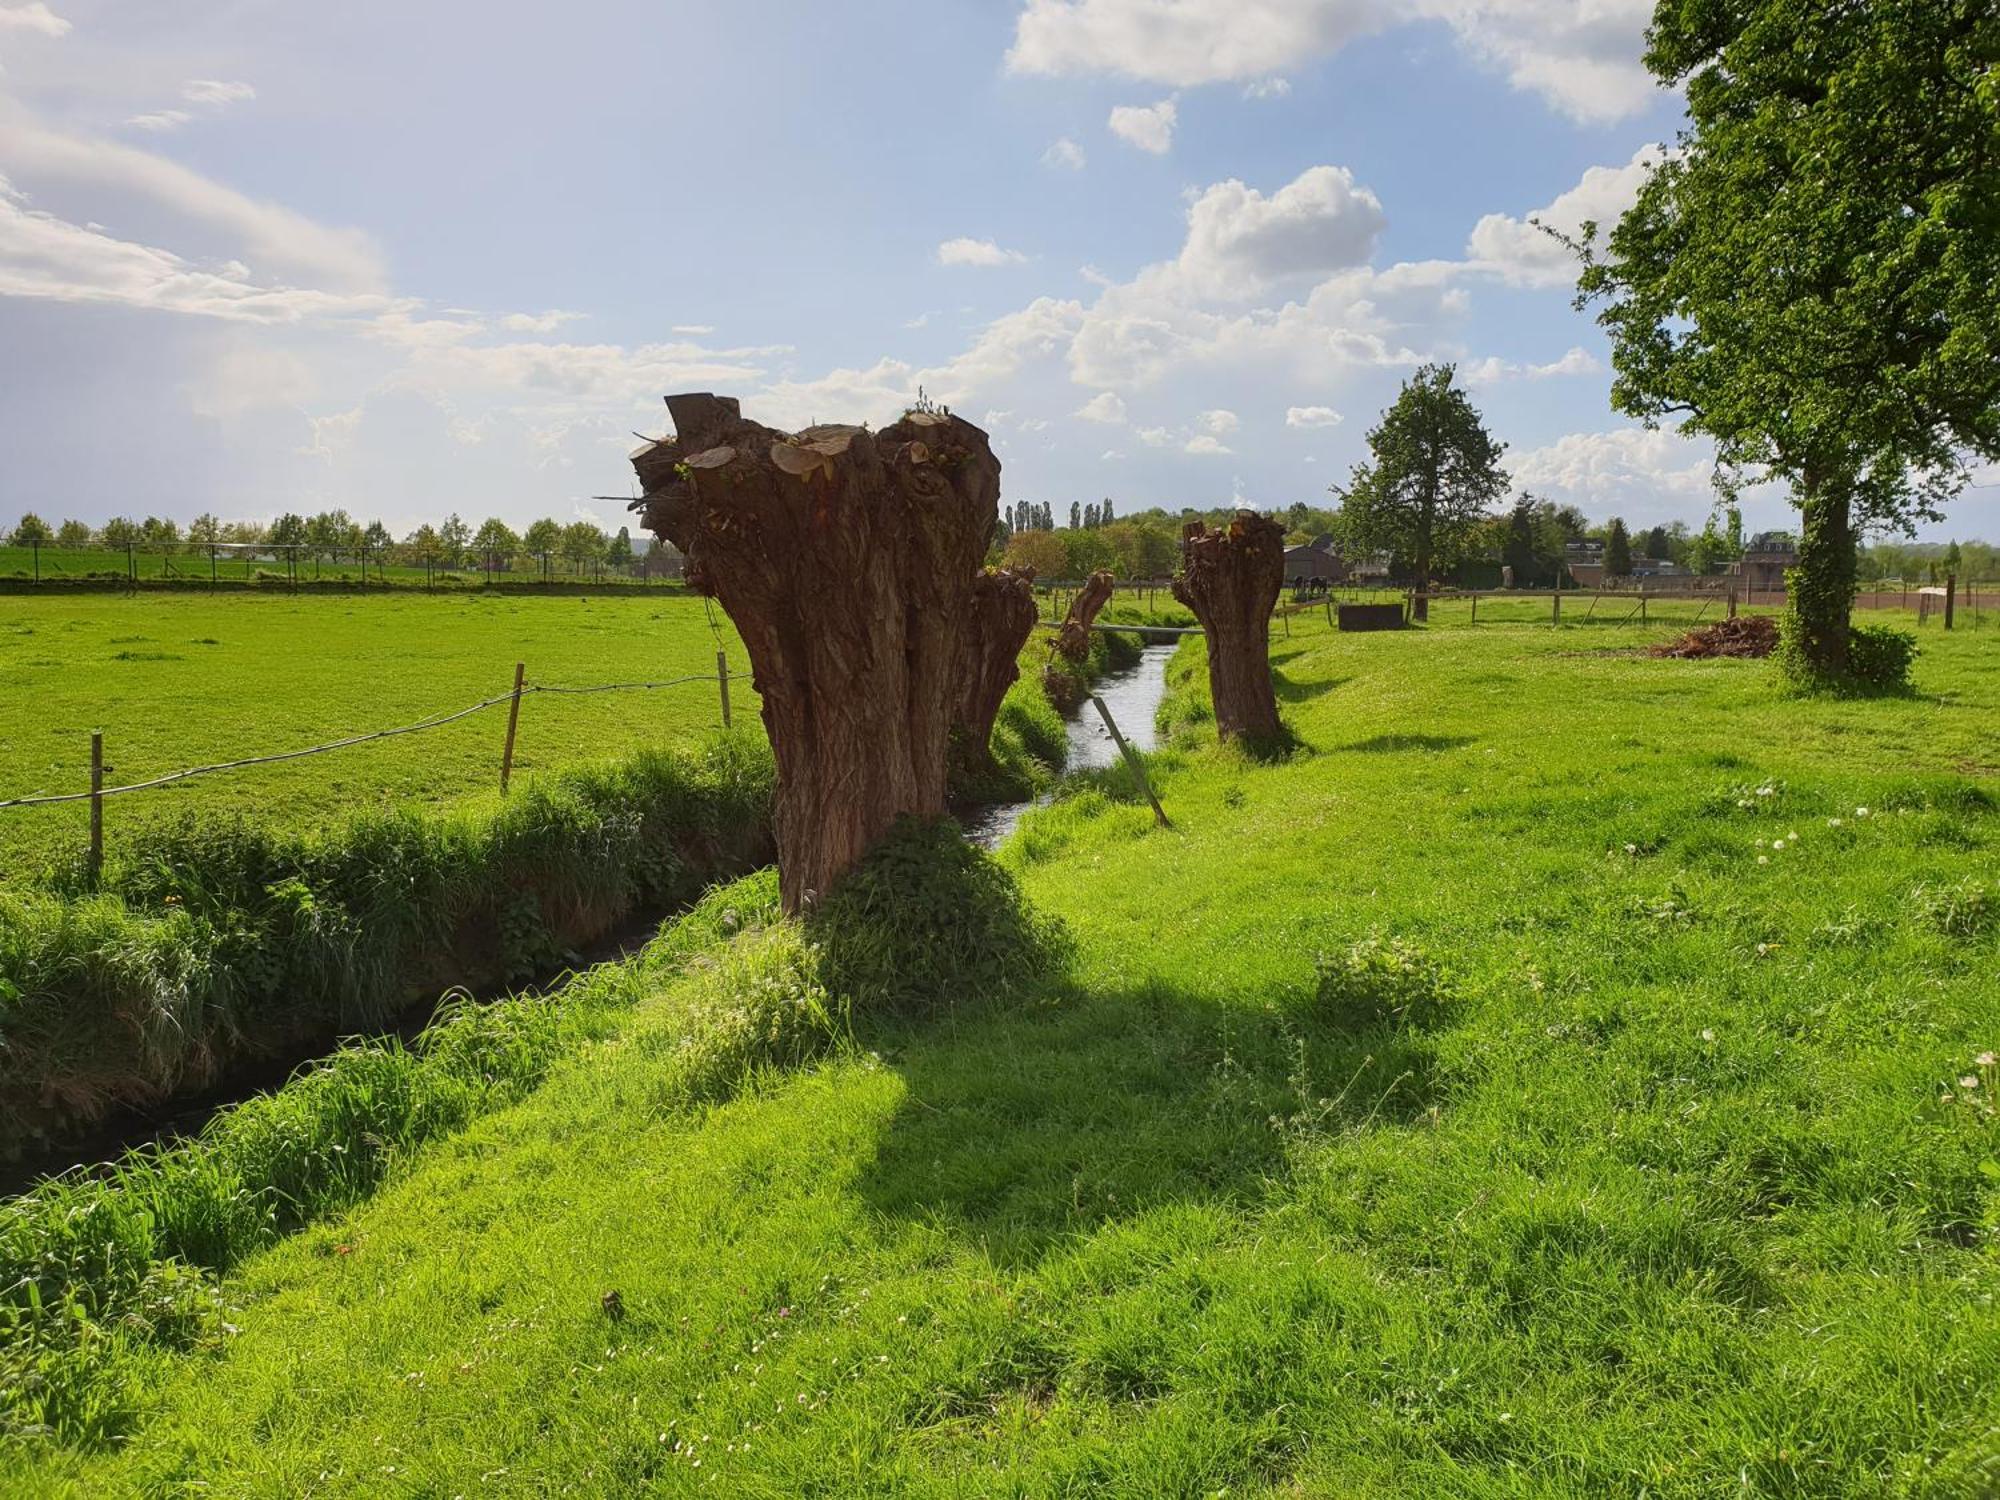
1746, 635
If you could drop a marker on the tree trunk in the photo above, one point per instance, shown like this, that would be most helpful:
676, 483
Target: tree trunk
1420, 601
1000, 616
1074, 641
1820, 590
1231, 580
846, 560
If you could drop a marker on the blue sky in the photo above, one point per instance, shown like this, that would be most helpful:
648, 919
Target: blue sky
407, 259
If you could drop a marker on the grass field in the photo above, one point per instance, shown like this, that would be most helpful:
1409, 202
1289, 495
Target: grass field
176, 680
1560, 1078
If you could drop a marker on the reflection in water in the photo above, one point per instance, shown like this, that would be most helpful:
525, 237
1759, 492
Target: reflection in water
1133, 696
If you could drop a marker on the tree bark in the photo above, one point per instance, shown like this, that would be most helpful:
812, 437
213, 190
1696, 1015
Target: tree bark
1231, 579
1074, 639
1000, 616
846, 560
1820, 590
1420, 602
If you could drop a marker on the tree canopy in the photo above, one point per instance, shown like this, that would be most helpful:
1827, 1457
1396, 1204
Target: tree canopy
1808, 275
1432, 475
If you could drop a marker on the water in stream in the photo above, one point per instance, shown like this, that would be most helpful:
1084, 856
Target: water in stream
1133, 696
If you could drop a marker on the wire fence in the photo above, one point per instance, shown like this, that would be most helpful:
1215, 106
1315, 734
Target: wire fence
97, 792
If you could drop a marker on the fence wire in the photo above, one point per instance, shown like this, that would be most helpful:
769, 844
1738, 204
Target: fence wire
433, 721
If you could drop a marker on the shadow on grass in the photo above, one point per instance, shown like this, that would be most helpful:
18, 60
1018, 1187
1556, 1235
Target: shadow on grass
1289, 691
1384, 744
1026, 1125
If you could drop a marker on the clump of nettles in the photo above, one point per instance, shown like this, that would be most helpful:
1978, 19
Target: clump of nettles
926, 919
1382, 980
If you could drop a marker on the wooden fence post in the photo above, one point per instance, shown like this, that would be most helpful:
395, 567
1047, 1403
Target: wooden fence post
96, 806
722, 680
1950, 597
513, 718
1138, 766
1732, 601
1556, 607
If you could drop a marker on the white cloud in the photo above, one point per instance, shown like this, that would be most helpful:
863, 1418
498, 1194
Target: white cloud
161, 120
1239, 241
1205, 446
693, 330
1644, 474
1583, 56
36, 17
1064, 153
1155, 437
216, 92
1109, 455
965, 251
1105, 406
1312, 416
1523, 254
1492, 370
1268, 88
1150, 127
547, 322
1220, 421
279, 240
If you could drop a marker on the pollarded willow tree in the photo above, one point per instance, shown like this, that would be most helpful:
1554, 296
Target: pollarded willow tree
1000, 616
1231, 578
1073, 641
1811, 276
848, 561
1433, 473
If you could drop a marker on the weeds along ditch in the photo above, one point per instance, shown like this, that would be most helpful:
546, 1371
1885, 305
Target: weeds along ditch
223, 941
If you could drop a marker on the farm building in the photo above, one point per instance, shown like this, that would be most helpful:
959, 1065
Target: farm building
1770, 555
1314, 559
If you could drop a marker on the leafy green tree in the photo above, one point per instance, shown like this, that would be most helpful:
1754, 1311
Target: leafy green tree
495, 537
289, 530
582, 542
204, 530
1075, 516
119, 531
1658, 545
1617, 551
618, 551
376, 537
453, 538
1433, 473
73, 534
157, 535
32, 531
1807, 277
422, 544
543, 536
1104, 512
1517, 546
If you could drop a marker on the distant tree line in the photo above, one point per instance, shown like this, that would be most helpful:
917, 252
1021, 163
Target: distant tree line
335, 536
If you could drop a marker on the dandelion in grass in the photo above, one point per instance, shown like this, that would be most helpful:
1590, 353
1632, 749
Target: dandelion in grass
1763, 859
1631, 848
1777, 843
1986, 1059
1860, 812
1708, 1033
1833, 822
1969, 1082
1766, 791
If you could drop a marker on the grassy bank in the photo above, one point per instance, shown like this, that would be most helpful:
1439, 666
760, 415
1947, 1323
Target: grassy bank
225, 941
1550, 1080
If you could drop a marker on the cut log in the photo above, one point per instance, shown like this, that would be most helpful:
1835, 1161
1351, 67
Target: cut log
1000, 616
1231, 579
846, 560
1073, 641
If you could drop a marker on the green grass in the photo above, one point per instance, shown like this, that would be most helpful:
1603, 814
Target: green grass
1476, 1103
175, 680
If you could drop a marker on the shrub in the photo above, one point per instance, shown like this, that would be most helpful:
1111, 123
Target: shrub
1878, 659
225, 939
1381, 980
926, 918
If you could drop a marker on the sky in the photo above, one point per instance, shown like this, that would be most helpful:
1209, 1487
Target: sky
409, 259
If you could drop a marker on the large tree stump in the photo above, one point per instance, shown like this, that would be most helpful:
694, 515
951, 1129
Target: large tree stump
1073, 640
1231, 579
846, 559
1000, 616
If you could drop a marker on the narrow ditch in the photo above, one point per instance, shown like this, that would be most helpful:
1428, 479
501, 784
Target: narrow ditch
1133, 697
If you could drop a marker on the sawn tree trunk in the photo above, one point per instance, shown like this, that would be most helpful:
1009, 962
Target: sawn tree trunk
1074, 639
1231, 579
846, 560
1000, 616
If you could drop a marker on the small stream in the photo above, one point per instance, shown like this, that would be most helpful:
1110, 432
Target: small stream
1133, 696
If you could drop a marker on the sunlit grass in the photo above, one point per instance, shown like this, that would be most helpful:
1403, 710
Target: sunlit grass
1550, 1080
